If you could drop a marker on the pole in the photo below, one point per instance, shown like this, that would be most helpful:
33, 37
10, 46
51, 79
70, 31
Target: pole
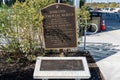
77, 3
85, 34
58, 1
107, 3
90, 3
3, 1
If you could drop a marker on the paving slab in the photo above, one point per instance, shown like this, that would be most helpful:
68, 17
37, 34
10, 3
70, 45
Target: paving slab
105, 48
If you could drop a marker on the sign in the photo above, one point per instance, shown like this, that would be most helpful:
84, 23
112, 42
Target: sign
61, 68
61, 65
59, 26
96, 18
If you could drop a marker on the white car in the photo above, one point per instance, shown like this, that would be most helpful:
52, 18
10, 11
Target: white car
111, 10
108, 10
116, 10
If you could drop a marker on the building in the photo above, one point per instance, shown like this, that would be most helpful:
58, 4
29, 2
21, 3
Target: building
71, 2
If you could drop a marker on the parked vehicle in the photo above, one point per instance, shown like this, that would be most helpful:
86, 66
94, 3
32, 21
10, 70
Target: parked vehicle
90, 9
111, 10
97, 10
116, 10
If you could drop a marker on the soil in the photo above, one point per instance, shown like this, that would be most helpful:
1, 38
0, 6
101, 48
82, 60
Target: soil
23, 70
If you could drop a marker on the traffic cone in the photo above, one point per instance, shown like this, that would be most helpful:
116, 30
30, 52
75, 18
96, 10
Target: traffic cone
103, 27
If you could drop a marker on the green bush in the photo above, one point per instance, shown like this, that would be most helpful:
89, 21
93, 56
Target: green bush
82, 18
21, 27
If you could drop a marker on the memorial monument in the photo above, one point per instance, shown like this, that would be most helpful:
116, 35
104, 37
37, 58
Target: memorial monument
59, 29
59, 26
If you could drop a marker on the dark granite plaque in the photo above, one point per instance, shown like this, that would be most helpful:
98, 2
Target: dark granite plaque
61, 65
59, 26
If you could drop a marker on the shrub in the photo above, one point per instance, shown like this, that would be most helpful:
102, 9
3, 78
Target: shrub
21, 27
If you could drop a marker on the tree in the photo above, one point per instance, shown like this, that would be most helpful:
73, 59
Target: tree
82, 2
83, 16
113, 5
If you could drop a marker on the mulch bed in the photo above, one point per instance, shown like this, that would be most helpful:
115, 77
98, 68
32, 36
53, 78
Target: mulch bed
24, 70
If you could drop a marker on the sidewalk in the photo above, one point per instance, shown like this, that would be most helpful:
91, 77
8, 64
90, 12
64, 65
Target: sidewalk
105, 48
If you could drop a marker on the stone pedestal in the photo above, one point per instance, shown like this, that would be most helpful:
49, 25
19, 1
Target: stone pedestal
61, 68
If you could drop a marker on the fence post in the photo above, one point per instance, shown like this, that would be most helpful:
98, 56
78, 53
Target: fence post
85, 34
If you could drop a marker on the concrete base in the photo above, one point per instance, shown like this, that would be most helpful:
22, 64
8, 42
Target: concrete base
61, 74
47, 79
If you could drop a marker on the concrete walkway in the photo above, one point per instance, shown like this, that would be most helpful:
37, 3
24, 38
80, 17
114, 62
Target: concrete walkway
105, 48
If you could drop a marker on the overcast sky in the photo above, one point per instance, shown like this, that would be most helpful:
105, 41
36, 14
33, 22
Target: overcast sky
103, 1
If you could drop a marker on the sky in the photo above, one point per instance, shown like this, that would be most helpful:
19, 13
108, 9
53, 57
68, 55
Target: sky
106, 1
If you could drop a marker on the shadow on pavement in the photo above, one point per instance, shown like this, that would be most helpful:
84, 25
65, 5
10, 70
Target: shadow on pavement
100, 51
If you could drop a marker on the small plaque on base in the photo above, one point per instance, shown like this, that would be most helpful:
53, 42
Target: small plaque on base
61, 68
